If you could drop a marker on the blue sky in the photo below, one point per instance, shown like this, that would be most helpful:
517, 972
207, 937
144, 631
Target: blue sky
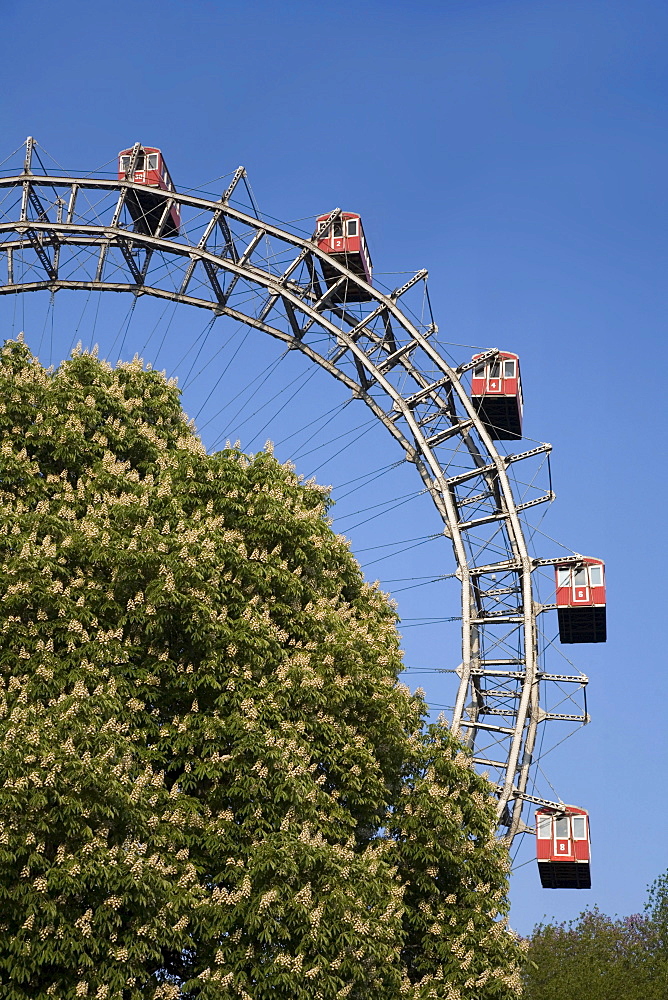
515, 149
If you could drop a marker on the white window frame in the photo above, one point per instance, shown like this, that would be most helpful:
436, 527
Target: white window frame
558, 820
576, 819
544, 822
598, 569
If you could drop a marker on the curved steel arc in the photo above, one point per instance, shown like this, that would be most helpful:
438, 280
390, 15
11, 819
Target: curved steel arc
379, 353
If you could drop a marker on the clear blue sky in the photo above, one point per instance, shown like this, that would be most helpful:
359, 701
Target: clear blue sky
515, 148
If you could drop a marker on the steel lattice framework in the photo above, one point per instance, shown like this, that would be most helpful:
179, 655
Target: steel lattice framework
64, 232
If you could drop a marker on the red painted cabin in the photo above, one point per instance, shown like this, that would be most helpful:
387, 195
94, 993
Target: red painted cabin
147, 207
496, 393
343, 240
581, 601
563, 848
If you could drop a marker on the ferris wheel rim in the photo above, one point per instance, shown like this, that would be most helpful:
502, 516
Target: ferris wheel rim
46, 233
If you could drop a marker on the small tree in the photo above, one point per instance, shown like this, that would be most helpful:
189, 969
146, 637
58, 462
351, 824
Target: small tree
211, 783
601, 957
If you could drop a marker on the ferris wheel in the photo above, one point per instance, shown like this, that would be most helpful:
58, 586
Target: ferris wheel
135, 233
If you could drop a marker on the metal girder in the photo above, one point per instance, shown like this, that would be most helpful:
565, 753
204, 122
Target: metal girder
478, 498
30, 199
565, 678
538, 801
27, 163
539, 450
212, 275
464, 477
327, 225
395, 357
239, 173
574, 560
43, 256
487, 727
126, 250
546, 498
323, 300
499, 693
384, 359
501, 618
480, 360
417, 397
418, 276
562, 717
230, 249
442, 436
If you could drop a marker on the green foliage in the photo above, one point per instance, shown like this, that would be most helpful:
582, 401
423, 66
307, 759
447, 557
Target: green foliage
211, 783
600, 957
451, 866
656, 913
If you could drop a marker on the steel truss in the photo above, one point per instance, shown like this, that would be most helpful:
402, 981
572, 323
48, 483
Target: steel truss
64, 232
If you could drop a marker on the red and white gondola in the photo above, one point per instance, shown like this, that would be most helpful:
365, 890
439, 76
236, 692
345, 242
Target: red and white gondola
147, 206
563, 848
342, 238
496, 393
581, 603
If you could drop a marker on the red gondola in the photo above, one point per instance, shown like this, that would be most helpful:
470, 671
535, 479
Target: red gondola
563, 848
581, 601
496, 393
343, 239
147, 207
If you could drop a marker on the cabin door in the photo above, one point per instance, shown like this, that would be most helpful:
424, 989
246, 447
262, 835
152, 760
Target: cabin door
494, 381
139, 176
562, 840
337, 239
581, 592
